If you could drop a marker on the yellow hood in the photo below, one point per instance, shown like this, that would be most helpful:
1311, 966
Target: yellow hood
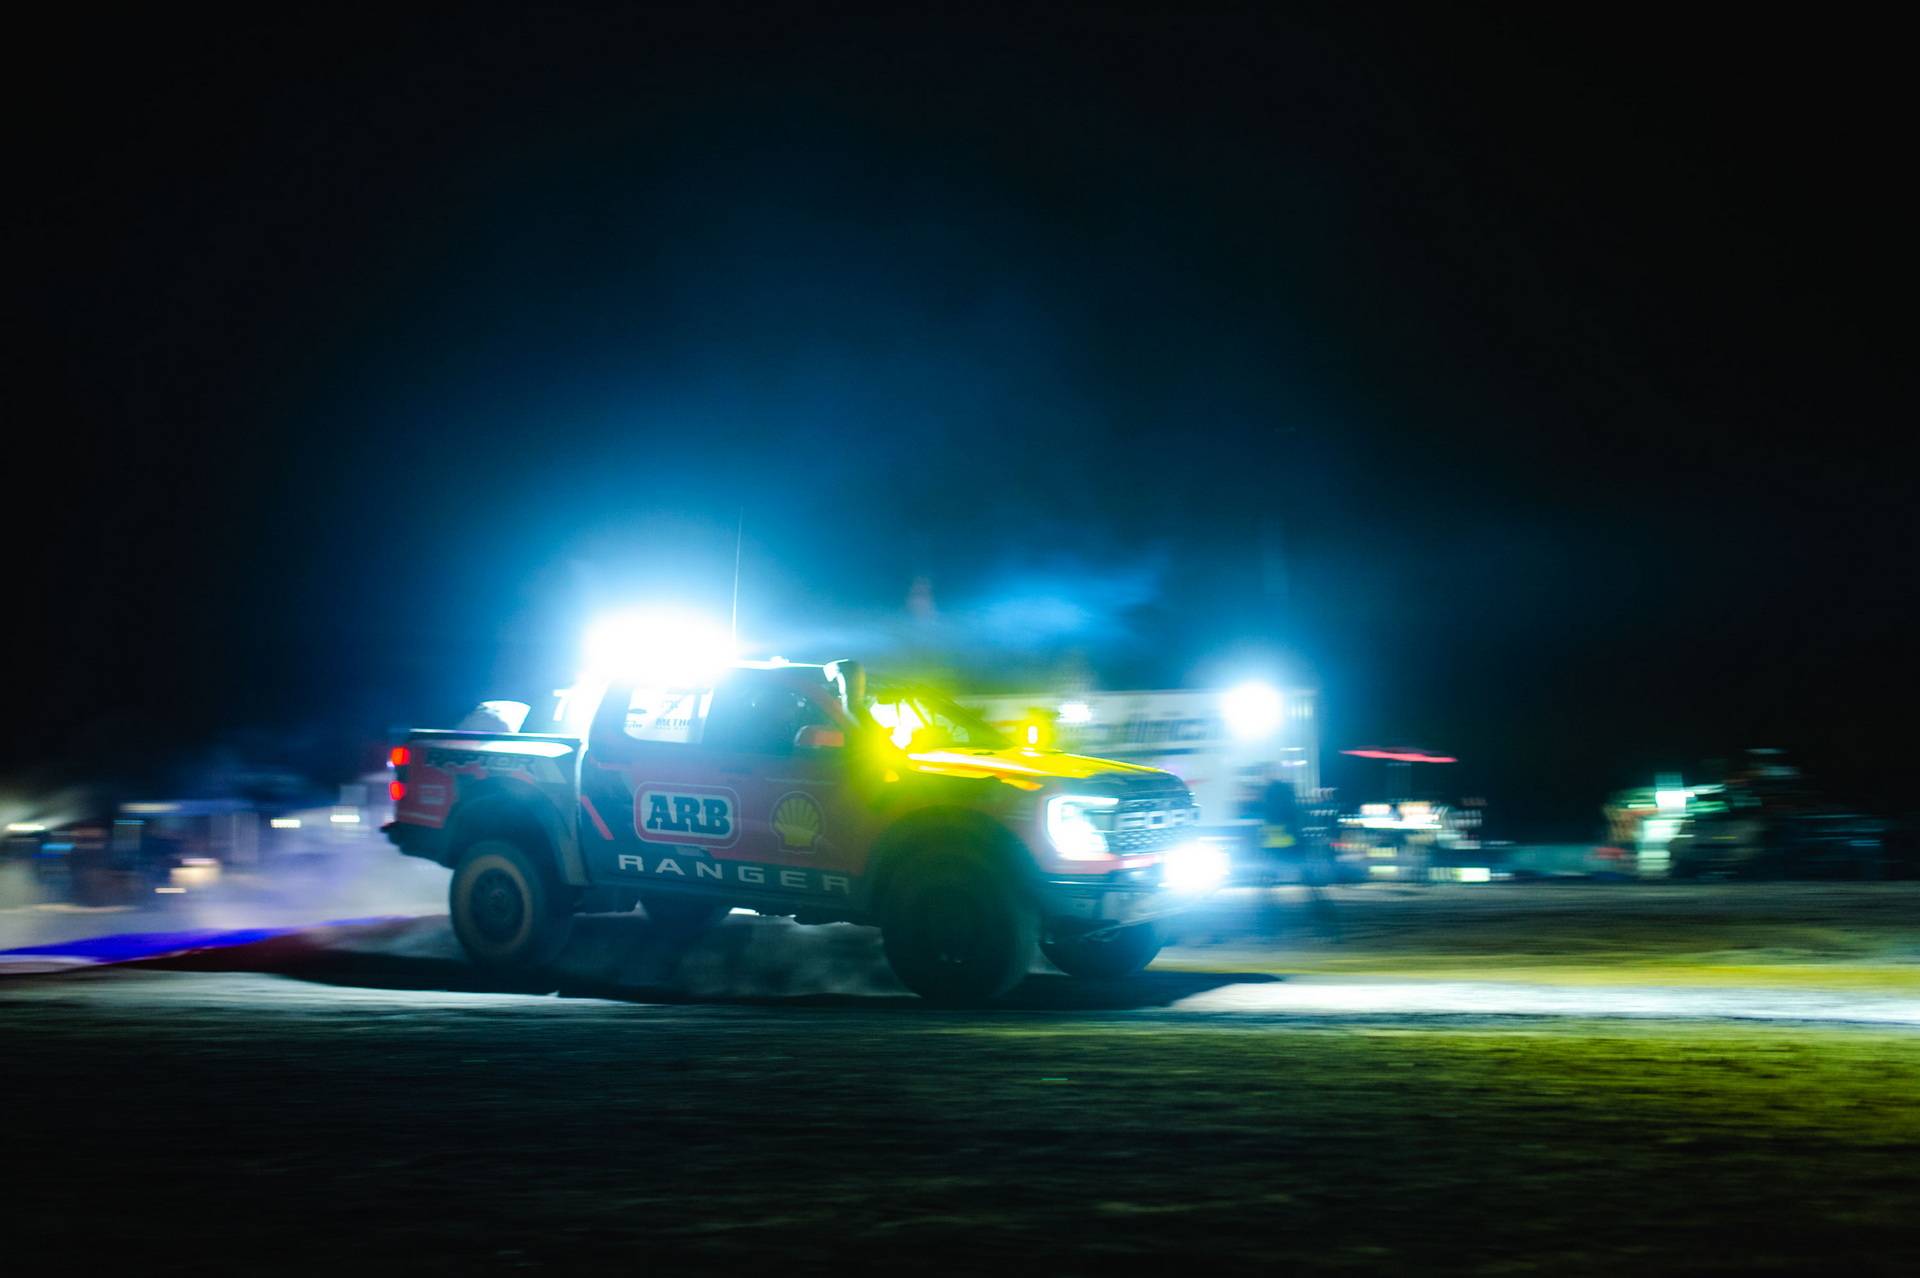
1027, 768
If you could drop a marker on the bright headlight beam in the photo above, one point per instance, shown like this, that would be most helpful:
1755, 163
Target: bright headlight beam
1195, 866
1252, 710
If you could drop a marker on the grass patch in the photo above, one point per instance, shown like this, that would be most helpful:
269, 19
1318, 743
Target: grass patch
1843, 938
579, 1135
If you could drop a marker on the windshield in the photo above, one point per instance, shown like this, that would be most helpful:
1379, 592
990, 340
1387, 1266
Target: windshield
920, 720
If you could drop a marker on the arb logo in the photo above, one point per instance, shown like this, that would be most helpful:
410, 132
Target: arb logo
705, 816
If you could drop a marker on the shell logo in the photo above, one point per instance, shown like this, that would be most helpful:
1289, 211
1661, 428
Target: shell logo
797, 820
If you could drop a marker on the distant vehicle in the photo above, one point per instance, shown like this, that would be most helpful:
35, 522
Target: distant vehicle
1751, 844
1764, 821
803, 790
91, 864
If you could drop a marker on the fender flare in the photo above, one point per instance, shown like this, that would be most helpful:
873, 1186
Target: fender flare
942, 824
506, 805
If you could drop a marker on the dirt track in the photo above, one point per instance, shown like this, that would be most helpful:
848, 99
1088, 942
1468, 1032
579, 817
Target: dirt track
372, 1102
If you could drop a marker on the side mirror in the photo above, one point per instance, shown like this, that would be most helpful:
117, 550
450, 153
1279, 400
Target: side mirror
818, 736
851, 677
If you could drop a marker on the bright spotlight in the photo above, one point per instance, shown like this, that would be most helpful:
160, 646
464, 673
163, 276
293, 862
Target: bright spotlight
1252, 711
657, 644
1076, 712
1197, 866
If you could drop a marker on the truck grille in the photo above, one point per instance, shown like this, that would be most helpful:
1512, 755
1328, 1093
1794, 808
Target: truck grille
1134, 842
1150, 824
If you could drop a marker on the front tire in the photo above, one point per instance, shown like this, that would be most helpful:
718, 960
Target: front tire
957, 932
506, 911
1107, 956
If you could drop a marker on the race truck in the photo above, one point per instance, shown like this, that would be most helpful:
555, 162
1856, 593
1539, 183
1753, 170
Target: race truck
803, 790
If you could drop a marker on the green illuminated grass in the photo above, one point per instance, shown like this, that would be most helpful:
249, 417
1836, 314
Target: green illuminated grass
1849, 938
1607, 970
579, 1135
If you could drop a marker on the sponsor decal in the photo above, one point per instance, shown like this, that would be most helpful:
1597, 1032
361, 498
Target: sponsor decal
705, 817
476, 763
798, 821
690, 867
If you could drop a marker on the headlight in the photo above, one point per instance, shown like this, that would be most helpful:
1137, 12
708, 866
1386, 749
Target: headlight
1071, 827
1196, 866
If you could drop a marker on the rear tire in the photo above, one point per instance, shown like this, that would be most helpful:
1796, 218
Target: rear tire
1109, 956
958, 932
506, 910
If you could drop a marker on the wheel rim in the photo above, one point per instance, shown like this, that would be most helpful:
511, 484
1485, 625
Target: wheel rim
499, 906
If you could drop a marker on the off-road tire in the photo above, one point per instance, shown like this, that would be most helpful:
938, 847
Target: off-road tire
508, 913
1105, 956
958, 930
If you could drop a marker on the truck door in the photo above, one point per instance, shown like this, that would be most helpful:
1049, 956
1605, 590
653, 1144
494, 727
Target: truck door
772, 735
644, 758
705, 788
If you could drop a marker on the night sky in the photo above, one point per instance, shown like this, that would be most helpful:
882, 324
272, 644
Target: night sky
1527, 380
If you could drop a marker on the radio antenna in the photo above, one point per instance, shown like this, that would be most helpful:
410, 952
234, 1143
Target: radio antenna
739, 529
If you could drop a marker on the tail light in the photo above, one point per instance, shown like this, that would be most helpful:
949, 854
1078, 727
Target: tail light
398, 758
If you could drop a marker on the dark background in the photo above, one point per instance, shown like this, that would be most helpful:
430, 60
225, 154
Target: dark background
1525, 378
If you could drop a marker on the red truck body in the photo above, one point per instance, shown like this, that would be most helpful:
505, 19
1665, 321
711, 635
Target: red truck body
793, 789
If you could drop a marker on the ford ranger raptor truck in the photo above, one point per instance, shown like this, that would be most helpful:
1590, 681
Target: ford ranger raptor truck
805, 790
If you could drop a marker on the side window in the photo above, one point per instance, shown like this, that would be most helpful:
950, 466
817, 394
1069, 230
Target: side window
667, 714
759, 718
905, 717
899, 718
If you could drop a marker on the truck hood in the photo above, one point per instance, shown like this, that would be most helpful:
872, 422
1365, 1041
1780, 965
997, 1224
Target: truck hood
1025, 768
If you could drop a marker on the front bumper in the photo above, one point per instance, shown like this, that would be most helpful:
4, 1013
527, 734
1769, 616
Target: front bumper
1121, 898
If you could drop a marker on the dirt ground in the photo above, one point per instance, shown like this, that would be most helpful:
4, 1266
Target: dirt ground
368, 1101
